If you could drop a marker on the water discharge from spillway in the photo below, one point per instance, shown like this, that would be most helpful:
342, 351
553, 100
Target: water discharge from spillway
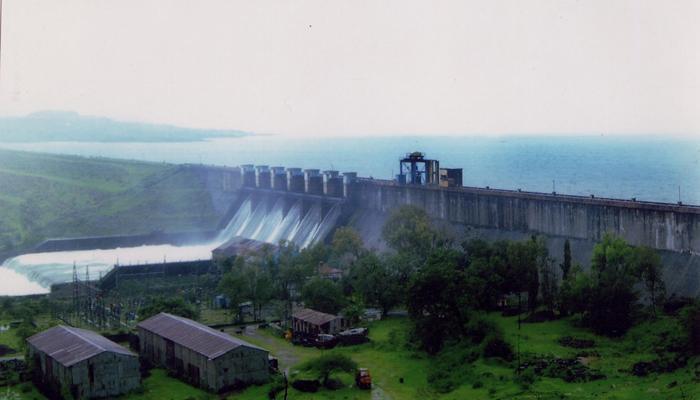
268, 220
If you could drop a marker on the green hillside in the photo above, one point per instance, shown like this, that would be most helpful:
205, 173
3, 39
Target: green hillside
43, 196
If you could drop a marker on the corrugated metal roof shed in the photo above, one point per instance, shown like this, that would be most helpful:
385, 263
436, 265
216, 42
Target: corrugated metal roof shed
68, 345
193, 335
314, 317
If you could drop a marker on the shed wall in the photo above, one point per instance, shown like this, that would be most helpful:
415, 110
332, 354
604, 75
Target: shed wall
241, 365
112, 374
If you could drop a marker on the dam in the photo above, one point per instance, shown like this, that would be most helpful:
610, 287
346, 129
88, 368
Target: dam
270, 204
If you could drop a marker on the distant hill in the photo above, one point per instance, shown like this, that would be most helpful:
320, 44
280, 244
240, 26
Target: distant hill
44, 196
60, 126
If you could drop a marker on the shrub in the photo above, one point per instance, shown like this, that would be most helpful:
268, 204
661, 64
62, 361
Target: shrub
690, 319
306, 385
327, 364
452, 367
278, 384
479, 328
525, 379
496, 347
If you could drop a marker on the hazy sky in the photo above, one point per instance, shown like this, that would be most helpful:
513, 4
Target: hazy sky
360, 67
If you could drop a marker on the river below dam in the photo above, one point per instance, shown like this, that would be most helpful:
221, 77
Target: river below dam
270, 222
34, 273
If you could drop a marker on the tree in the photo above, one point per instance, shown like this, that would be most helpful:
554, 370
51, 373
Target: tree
171, 305
289, 275
347, 245
310, 257
548, 283
258, 287
574, 293
375, 281
647, 264
612, 297
250, 279
354, 311
566, 265
233, 285
482, 283
323, 295
522, 260
408, 230
690, 319
437, 302
327, 364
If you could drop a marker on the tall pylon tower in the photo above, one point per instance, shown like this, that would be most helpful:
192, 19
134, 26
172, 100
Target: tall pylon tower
76, 293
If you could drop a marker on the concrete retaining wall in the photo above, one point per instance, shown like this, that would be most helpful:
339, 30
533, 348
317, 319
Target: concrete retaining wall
111, 242
657, 225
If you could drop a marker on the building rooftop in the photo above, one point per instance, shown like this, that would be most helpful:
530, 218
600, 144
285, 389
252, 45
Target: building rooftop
239, 246
312, 316
68, 345
193, 335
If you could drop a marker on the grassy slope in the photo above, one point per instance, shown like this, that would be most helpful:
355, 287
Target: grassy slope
389, 362
44, 196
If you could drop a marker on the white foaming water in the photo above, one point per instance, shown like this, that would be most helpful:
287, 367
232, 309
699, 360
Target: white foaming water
267, 221
35, 272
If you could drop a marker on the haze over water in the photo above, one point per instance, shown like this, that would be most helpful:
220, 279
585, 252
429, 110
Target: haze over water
648, 168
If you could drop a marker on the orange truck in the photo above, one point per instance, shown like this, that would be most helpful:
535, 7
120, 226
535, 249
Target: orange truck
363, 380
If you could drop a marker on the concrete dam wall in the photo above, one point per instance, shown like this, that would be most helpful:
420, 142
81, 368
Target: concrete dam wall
657, 225
493, 213
489, 214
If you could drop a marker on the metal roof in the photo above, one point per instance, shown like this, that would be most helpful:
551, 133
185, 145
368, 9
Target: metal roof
314, 317
240, 246
68, 345
193, 335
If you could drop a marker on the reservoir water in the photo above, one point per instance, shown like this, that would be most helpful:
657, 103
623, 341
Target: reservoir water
647, 168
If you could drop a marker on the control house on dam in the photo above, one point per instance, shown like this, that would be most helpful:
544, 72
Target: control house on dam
305, 206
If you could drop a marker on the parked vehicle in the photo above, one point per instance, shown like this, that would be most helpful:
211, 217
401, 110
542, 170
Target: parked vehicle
353, 336
324, 341
363, 380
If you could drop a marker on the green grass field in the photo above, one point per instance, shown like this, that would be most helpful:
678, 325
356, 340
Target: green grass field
389, 361
44, 196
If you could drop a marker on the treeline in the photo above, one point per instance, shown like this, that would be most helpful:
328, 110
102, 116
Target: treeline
443, 282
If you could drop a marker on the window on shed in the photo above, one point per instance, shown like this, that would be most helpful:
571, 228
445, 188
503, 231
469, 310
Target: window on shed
91, 374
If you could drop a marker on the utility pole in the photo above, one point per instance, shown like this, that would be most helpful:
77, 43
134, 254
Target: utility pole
76, 293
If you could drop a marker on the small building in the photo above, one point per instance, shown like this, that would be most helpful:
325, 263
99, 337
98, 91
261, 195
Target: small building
451, 177
84, 363
201, 355
239, 246
327, 272
312, 322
